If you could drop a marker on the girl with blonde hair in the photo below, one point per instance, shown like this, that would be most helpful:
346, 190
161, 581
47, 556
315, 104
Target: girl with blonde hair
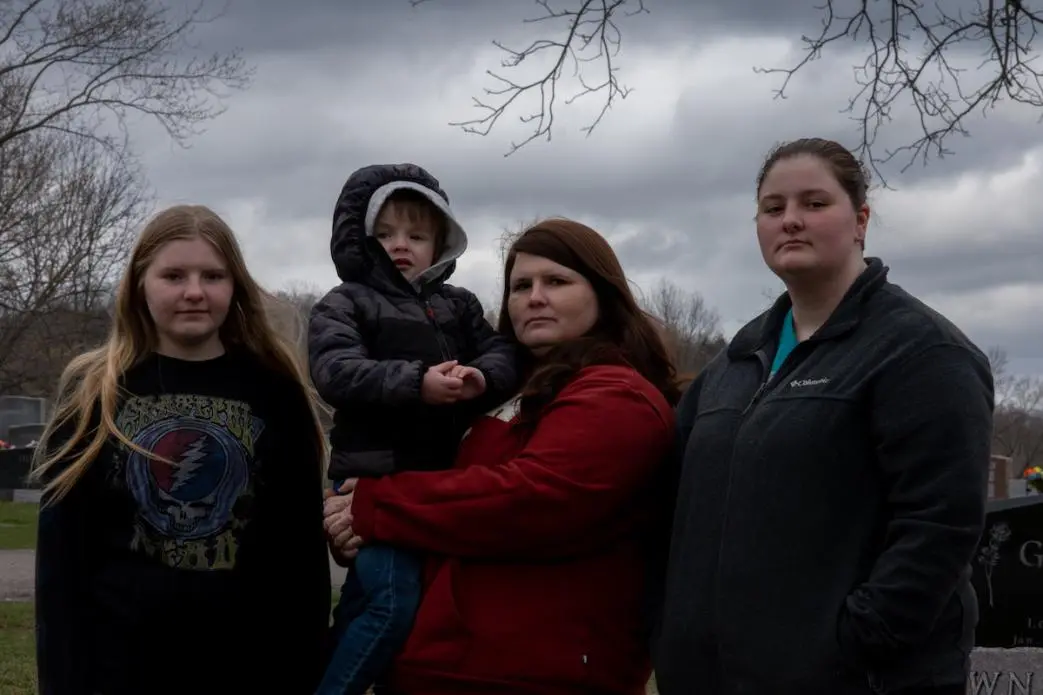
180, 545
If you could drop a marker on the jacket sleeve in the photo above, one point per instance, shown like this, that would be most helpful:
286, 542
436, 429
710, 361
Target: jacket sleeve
341, 369
64, 544
497, 355
284, 553
596, 444
932, 420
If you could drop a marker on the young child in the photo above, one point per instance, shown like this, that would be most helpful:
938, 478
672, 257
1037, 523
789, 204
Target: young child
406, 360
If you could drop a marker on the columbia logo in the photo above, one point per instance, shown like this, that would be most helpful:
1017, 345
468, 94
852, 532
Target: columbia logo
800, 383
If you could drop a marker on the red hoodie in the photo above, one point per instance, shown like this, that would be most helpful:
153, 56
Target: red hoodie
538, 544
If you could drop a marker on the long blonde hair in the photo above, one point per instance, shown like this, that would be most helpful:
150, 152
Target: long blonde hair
91, 381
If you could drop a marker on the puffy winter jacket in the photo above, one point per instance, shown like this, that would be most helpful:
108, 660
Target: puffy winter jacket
371, 338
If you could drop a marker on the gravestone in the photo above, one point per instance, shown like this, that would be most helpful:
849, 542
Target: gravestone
14, 469
1006, 672
1008, 574
20, 436
1008, 579
20, 410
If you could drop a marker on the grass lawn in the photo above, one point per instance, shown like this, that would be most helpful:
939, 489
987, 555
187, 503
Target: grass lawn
17, 648
17, 526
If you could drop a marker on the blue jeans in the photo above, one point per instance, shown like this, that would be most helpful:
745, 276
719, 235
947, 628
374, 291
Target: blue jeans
372, 619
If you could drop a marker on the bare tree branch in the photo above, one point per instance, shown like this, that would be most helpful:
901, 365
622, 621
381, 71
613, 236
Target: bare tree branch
693, 329
70, 209
71, 73
915, 57
584, 35
1018, 420
69, 65
289, 310
912, 48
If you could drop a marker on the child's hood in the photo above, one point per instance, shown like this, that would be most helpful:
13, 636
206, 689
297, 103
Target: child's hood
356, 254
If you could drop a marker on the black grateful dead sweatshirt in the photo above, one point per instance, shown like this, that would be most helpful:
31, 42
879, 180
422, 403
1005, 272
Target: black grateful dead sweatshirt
210, 576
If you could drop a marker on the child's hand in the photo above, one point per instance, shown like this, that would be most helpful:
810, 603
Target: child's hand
473, 381
439, 387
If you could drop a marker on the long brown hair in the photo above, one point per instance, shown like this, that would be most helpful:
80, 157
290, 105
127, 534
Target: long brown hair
624, 334
91, 382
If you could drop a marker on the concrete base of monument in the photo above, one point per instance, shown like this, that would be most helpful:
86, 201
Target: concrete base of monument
1006, 672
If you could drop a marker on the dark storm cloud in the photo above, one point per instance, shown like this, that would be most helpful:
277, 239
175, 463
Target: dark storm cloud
952, 268
279, 26
368, 35
341, 85
711, 150
275, 25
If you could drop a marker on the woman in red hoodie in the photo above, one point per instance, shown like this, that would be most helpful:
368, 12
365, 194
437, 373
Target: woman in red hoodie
541, 537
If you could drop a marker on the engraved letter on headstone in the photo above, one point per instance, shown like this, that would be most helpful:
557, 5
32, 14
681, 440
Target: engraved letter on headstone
984, 682
1032, 554
1022, 683
1001, 683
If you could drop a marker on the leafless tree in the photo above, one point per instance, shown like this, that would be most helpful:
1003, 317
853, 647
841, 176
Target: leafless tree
68, 209
81, 67
290, 311
1018, 420
300, 295
583, 36
693, 329
72, 73
32, 366
911, 58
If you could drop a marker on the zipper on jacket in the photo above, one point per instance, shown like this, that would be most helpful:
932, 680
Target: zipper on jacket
770, 380
762, 358
429, 311
767, 379
756, 397
765, 366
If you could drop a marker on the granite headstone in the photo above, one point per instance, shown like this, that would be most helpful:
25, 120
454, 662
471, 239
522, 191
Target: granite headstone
1006, 672
20, 436
1008, 578
14, 470
20, 410
1008, 574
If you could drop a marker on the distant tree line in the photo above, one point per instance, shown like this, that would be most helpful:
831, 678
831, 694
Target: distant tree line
72, 72
693, 331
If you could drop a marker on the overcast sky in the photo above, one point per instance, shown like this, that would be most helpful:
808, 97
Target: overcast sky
668, 176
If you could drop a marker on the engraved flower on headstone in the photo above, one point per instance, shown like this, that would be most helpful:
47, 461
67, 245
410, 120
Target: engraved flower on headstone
989, 556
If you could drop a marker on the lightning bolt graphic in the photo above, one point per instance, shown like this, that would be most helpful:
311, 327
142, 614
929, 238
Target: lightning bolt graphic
191, 461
